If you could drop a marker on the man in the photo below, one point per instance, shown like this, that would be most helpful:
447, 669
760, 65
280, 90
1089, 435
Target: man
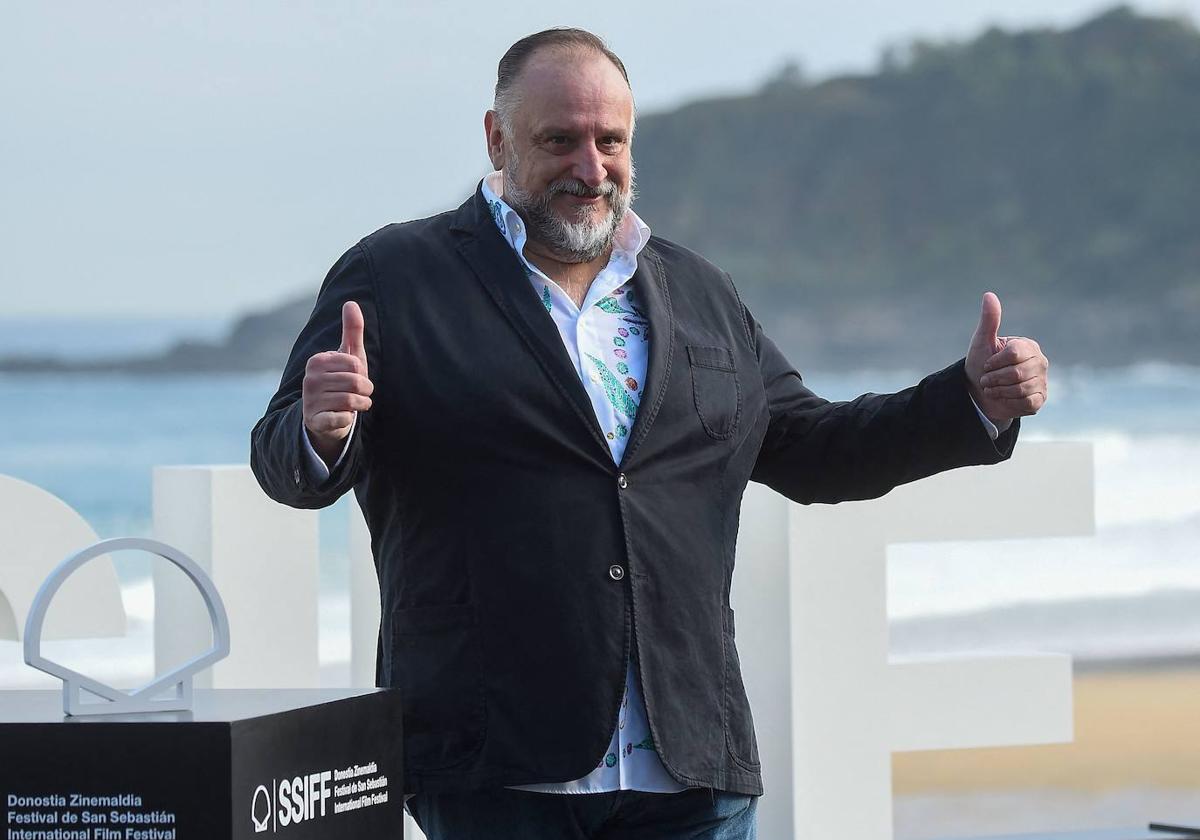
549, 416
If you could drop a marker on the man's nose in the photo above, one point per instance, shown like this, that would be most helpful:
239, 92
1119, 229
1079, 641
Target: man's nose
589, 166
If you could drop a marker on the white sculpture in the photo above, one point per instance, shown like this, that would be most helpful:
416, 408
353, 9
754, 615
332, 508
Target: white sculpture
39, 531
147, 698
364, 602
811, 598
261, 556
810, 595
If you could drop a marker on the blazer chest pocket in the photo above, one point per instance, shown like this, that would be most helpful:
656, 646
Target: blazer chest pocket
715, 389
437, 665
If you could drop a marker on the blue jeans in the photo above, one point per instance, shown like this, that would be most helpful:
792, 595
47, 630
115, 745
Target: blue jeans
504, 814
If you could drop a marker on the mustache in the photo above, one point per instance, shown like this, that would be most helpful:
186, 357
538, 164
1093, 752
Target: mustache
570, 186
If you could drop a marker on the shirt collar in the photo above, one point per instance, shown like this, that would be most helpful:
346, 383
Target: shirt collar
631, 237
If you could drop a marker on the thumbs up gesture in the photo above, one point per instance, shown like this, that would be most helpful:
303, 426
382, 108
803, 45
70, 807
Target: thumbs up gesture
1006, 375
335, 386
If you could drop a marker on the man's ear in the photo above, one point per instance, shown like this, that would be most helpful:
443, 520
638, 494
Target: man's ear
495, 139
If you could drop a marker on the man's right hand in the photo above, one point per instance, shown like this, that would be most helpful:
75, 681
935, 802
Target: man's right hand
335, 386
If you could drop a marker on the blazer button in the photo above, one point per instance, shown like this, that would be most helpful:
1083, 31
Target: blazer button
616, 572
622, 481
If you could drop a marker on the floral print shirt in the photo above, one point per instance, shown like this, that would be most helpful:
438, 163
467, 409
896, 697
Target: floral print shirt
607, 340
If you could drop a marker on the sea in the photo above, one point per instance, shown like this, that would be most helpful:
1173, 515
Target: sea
1129, 592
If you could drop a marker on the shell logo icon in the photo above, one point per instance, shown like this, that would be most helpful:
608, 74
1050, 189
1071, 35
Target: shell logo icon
261, 804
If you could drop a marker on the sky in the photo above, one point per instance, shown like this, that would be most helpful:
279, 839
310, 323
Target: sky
208, 159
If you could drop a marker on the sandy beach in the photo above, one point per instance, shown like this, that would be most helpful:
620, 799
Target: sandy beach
1135, 758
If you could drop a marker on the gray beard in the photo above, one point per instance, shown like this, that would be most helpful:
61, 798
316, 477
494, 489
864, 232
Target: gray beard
575, 240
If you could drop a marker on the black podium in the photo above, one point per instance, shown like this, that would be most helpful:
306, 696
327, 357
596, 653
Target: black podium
300, 764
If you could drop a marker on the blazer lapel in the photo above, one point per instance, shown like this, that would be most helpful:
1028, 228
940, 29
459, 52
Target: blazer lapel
650, 281
501, 274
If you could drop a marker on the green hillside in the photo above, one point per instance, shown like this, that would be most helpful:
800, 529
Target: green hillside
1058, 168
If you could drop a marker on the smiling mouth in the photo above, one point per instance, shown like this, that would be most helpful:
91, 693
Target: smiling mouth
584, 200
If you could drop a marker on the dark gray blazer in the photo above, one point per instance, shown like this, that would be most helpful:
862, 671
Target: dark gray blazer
496, 511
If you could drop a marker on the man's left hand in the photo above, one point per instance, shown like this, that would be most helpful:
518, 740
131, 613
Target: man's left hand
1006, 375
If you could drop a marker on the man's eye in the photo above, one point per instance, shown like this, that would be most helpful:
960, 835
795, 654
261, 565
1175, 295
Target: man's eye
557, 140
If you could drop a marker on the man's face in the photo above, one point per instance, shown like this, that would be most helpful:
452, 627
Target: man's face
567, 164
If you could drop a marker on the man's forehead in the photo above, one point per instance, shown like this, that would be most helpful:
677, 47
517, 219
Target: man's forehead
573, 85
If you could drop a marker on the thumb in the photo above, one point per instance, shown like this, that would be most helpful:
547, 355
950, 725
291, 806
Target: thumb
352, 331
987, 334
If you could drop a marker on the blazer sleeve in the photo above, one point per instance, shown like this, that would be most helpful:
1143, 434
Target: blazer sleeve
276, 442
821, 451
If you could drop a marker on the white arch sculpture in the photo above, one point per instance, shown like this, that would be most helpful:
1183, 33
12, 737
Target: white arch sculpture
147, 698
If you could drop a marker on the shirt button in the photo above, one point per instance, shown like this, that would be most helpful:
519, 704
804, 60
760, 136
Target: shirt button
296, 476
616, 572
622, 481
594, 376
